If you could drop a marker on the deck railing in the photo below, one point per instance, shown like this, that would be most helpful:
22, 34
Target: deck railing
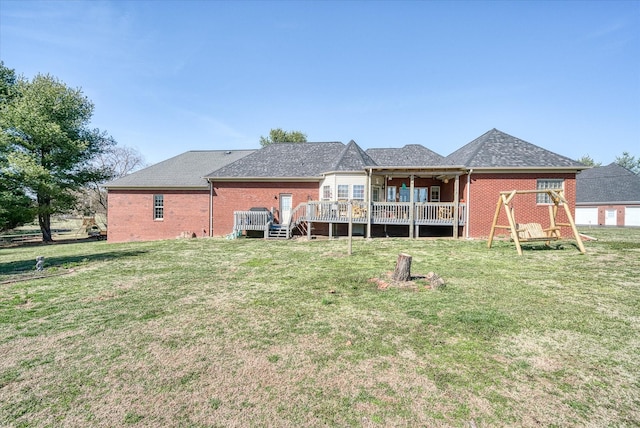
336, 211
252, 220
438, 213
391, 213
400, 213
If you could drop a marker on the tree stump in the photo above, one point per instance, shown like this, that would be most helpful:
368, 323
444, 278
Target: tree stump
403, 268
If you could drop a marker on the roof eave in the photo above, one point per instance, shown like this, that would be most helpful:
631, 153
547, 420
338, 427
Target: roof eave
502, 169
158, 187
608, 203
265, 179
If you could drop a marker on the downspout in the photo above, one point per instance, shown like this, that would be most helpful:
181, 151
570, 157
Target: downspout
210, 209
466, 214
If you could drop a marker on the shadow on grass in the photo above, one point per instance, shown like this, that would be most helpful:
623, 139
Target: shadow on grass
21, 266
559, 246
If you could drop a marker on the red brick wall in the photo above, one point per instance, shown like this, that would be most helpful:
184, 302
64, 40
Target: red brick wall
602, 213
239, 196
130, 215
485, 191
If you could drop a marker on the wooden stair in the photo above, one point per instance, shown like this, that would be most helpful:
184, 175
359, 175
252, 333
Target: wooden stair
278, 231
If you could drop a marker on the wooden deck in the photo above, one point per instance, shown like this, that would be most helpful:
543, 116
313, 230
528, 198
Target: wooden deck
376, 213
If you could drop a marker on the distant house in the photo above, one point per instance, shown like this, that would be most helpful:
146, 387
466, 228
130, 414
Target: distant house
608, 196
319, 188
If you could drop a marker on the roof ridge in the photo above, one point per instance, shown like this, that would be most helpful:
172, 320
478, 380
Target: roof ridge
364, 157
481, 143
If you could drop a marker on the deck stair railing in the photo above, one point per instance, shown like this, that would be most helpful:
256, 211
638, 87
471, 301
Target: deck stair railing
298, 219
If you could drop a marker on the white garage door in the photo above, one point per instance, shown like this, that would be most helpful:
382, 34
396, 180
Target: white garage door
587, 216
632, 216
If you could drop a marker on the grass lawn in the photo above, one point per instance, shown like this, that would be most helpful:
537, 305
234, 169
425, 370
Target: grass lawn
210, 332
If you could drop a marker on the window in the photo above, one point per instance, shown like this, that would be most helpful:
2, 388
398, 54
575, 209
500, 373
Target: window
343, 191
391, 194
358, 192
420, 194
375, 194
326, 193
405, 194
546, 183
435, 193
158, 207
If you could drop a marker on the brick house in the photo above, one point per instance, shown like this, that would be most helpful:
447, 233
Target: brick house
167, 200
319, 188
608, 196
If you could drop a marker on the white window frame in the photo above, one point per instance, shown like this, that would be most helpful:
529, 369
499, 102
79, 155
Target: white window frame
343, 192
326, 193
158, 207
547, 183
375, 193
434, 194
358, 192
392, 193
417, 191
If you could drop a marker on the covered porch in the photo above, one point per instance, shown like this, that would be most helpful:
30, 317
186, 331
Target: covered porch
414, 197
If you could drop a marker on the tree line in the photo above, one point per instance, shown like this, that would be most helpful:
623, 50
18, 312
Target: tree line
626, 160
51, 161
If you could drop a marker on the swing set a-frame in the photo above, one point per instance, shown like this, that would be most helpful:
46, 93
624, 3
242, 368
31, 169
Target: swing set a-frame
531, 232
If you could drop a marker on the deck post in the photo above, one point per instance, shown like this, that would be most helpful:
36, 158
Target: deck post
412, 206
456, 206
350, 227
308, 221
370, 203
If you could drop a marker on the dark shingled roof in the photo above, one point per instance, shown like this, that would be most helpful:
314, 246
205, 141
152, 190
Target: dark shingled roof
184, 170
409, 155
611, 183
495, 149
353, 158
291, 160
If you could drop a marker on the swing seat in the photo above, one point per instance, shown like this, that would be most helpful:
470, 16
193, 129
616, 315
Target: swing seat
534, 232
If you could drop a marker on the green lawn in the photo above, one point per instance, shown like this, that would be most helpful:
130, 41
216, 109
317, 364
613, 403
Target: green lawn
210, 332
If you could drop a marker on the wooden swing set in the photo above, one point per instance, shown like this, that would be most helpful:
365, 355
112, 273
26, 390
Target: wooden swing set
532, 232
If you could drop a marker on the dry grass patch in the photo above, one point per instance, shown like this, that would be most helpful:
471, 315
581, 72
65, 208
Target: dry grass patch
211, 332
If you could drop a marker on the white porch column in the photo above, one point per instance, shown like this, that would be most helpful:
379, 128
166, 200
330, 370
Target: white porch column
369, 203
411, 206
456, 205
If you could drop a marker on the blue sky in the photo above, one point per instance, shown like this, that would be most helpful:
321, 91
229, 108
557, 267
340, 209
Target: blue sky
172, 76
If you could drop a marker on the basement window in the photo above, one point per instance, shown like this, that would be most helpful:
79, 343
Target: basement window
158, 207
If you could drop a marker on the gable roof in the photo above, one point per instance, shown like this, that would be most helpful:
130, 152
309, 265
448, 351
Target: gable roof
409, 155
290, 160
496, 149
611, 183
183, 171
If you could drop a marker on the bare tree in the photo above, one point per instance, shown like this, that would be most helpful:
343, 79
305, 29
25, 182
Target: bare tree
118, 161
